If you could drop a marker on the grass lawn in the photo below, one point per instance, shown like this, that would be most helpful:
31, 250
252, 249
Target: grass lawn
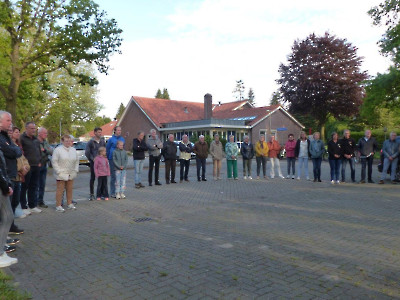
7, 289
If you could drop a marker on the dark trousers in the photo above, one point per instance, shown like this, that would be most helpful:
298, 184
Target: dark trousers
31, 186
364, 162
170, 166
201, 164
102, 189
317, 167
184, 169
92, 178
335, 168
261, 160
154, 161
14, 198
42, 183
352, 169
291, 161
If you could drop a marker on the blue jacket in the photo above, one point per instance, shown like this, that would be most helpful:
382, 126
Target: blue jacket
317, 148
112, 144
390, 148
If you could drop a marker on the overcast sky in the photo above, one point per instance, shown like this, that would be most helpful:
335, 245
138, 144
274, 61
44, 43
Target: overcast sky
203, 46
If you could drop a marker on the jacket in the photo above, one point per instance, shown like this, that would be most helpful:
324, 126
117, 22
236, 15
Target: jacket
154, 146
367, 147
390, 148
45, 151
92, 148
101, 166
297, 149
290, 147
11, 152
317, 149
139, 148
31, 148
23, 168
112, 144
65, 163
349, 146
201, 150
262, 151
334, 148
231, 149
5, 182
274, 149
120, 159
169, 150
185, 150
247, 151
216, 150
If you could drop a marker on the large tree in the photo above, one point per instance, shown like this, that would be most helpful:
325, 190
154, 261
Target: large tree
44, 36
322, 78
120, 111
251, 96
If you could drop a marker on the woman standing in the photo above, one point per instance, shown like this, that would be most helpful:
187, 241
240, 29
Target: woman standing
317, 149
232, 151
335, 154
290, 147
261, 156
302, 151
65, 167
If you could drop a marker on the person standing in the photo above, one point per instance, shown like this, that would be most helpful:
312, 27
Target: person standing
217, 154
261, 156
139, 149
31, 148
65, 169
247, 151
290, 147
335, 157
274, 150
201, 150
302, 152
348, 148
91, 151
155, 146
111, 145
390, 151
169, 152
185, 148
120, 159
367, 146
102, 171
232, 151
45, 150
317, 150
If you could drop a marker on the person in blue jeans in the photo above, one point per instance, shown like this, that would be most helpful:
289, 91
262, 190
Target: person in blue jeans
111, 145
335, 156
317, 150
390, 151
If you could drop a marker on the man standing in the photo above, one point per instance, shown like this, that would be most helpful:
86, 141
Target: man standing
45, 151
155, 145
201, 151
274, 150
367, 147
247, 151
111, 145
139, 148
390, 151
185, 147
169, 152
92, 148
217, 154
31, 148
348, 148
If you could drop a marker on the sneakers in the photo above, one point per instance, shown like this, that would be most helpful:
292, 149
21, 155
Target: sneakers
9, 249
272, 176
281, 176
292, 176
12, 242
36, 210
298, 178
26, 211
98, 199
244, 177
106, 199
21, 216
381, 182
337, 182
287, 177
6, 261
332, 181
142, 186
123, 196
60, 209
250, 177
308, 178
118, 196
137, 186
71, 206
43, 205
15, 230
258, 177
91, 197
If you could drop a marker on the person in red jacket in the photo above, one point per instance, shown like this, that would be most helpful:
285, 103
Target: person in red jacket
274, 150
290, 146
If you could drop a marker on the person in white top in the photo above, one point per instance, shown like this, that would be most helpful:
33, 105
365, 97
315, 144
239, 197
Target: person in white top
302, 152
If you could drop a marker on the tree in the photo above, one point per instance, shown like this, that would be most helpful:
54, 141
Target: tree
239, 90
251, 96
322, 78
159, 94
275, 98
165, 94
44, 36
120, 111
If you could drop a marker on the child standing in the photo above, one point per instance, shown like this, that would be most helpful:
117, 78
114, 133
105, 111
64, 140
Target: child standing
102, 170
120, 159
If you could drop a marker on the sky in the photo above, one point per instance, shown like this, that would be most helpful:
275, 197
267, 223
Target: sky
204, 46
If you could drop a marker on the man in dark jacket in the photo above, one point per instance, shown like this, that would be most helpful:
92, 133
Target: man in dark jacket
169, 152
247, 151
92, 148
45, 151
367, 147
31, 147
139, 148
349, 147
185, 148
201, 151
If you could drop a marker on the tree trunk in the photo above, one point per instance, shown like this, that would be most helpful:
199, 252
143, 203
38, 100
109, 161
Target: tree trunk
323, 132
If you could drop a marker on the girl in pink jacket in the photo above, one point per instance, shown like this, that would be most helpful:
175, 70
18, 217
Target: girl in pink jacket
102, 171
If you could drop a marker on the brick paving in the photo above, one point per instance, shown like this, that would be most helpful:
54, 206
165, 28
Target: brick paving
252, 239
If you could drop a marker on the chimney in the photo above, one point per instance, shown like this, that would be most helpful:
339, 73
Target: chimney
207, 106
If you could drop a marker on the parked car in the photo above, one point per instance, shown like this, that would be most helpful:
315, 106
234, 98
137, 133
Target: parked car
80, 150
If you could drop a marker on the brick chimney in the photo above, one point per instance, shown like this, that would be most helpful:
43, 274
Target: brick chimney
207, 106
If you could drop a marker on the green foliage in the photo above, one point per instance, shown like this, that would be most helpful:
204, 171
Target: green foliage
378, 134
194, 138
7, 291
165, 94
120, 111
275, 98
159, 94
251, 96
239, 90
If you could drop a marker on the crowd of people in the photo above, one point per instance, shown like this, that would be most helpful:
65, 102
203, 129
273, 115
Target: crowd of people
24, 159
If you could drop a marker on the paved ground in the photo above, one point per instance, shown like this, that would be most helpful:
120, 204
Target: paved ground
217, 240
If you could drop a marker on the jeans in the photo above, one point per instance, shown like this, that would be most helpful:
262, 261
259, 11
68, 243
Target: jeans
6, 219
201, 164
185, 164
42, 183
170, 167
291, 161
386, 164
102, 190
247, 165
217, 165
31, 186
92, 177
303, 161
352, 169
335, 168
317, 167
154, 161
112, 178
232, 167
275, 161
138, 165
364, 162
120, 181
261, 160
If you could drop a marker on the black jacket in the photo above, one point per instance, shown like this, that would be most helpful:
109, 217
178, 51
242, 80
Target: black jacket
184, 148
11, 152
5, 183
367, 147
297, 148
247, 151
335, 148
92, 148
31, 148
169, 150
348, 146
139, 148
